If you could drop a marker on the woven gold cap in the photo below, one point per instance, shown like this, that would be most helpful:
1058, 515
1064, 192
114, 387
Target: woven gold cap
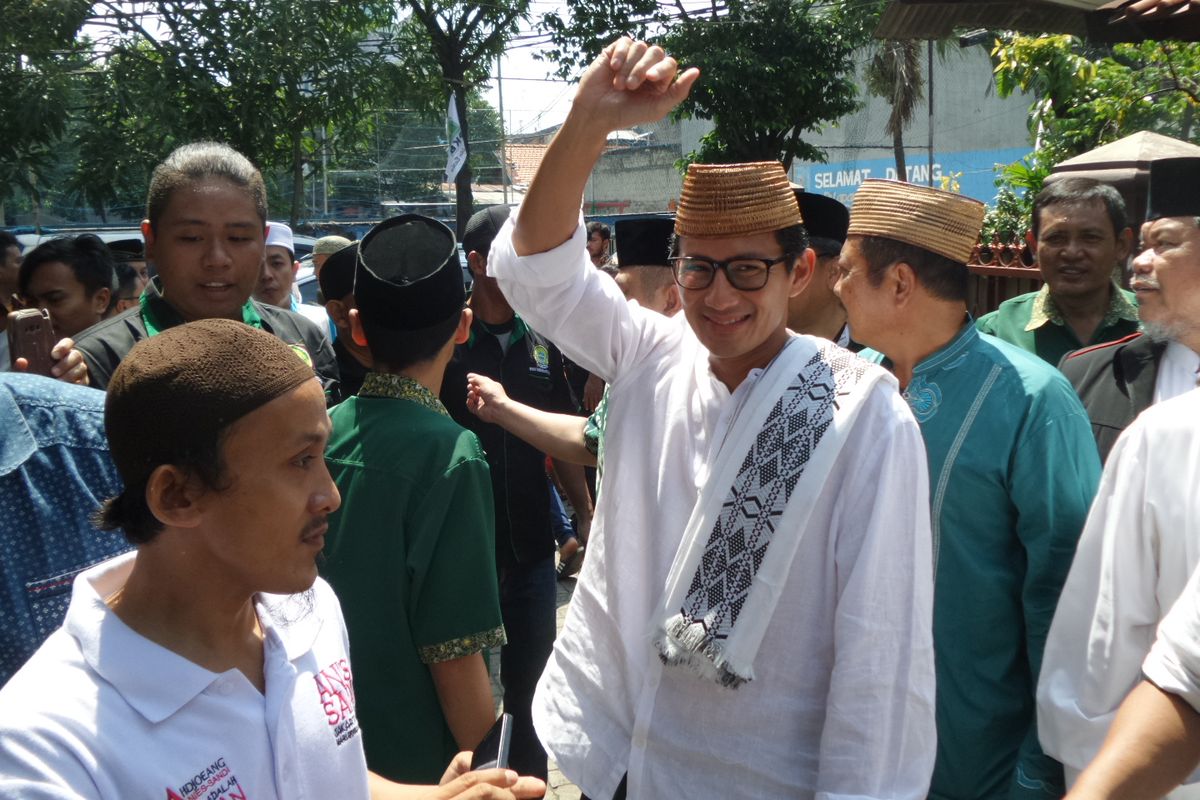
735, 200
941, 222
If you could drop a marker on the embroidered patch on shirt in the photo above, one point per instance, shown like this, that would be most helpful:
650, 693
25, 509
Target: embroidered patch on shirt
214, 782
923, 398
335, 687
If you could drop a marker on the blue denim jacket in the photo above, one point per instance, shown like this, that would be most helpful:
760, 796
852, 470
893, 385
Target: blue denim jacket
55, 471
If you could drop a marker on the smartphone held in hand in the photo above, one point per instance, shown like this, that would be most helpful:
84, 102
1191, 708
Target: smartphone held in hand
30, 336
492, 752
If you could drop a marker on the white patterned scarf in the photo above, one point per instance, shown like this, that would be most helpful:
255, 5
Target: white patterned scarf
722, 589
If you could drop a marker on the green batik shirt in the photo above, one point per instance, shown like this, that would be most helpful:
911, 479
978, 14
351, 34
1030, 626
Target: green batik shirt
1013, 468
1033, 323
411, 555
593, 434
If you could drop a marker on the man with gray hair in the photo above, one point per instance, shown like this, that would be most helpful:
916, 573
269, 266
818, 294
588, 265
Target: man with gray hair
1141, 542
1120, 380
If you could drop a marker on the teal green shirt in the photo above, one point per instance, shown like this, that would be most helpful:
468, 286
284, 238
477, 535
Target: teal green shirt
411, 555
1033, 323
1012, 471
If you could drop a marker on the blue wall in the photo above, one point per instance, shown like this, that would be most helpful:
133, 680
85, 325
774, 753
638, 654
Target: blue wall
977, 168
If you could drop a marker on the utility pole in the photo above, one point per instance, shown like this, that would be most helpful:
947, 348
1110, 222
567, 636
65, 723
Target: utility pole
929, 91
503, 141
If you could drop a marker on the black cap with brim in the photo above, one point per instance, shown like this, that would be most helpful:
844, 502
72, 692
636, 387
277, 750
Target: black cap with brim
824, 217
644, 242
127, 249
482, 228
336, 276
407, 275
1174, 188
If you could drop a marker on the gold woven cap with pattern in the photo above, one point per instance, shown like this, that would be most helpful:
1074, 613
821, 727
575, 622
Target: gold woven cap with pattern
735, 200
941, 222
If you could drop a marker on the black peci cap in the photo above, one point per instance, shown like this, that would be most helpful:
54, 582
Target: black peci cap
407, 275
644, 242
1174, 188
824, 217
482, 228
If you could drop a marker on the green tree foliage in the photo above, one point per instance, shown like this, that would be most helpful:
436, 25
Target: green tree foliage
771, 71
39, 54
262, 75
1087, 95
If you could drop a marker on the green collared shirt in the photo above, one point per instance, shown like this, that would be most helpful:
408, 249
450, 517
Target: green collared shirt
411, 554
399, 387
1034, 323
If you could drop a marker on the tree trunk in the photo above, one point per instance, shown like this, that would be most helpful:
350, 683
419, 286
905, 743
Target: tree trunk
898, 149
462, 184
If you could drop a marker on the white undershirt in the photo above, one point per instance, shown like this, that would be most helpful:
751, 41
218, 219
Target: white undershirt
1177, 372
1134, 558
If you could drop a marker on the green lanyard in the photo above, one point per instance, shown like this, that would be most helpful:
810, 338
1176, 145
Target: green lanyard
157, 314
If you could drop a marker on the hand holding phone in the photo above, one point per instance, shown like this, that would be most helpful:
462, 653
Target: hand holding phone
31, 337
492, 752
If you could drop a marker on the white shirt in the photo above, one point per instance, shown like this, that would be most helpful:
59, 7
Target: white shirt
842, 702
1177, 372
1140, 545
100, 711
1174, 662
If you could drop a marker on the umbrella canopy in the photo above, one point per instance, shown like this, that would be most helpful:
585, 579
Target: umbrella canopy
1098, 20
1125, 164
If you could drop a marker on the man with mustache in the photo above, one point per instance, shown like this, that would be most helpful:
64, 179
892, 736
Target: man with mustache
1119, 380
211, 662
1140, 544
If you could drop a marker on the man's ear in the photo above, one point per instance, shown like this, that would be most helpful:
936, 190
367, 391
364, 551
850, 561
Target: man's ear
902, 283
356, 329
671, 302
148, 235
172, 495
463, 331
101, 299
295, 268
339, 313
802, 271
477, 262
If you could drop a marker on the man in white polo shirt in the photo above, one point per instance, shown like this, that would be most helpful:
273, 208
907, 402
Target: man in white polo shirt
211, 664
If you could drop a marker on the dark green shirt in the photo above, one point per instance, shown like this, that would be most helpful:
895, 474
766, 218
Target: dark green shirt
411, 555
1033, 323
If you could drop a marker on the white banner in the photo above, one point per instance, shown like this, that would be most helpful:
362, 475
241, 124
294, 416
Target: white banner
456, 148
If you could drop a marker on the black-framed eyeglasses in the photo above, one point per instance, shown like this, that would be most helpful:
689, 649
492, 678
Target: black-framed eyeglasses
743, 273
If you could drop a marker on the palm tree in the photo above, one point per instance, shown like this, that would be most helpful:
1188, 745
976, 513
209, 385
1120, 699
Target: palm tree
894, 73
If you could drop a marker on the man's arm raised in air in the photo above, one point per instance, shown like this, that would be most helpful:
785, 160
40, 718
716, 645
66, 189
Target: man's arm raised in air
628, 84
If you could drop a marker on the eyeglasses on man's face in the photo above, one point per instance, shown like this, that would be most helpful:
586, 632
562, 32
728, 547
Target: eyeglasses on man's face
743, 273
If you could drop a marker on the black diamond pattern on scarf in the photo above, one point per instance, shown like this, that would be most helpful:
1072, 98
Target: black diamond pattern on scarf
765, 481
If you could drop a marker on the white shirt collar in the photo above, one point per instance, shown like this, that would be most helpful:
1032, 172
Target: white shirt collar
125, 658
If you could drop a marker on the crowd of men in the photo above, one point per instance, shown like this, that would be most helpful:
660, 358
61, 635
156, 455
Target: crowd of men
845, 540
